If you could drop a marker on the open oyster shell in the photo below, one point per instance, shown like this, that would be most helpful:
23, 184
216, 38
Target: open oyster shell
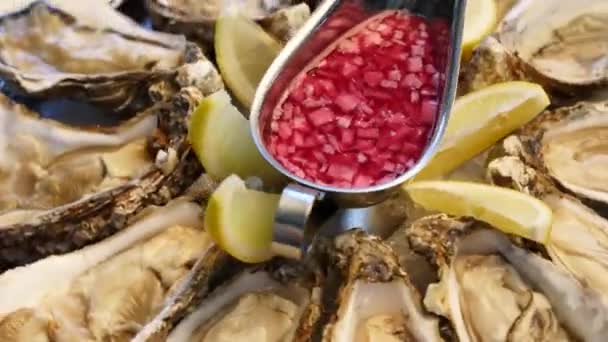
579, 236
91, 52
108, 290
561, 44
196, 19
373, 299
492, 290
565, 43
60, 222
269, 302
569, 145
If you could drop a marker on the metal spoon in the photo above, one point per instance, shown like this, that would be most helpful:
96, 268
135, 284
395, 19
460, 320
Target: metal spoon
298, 199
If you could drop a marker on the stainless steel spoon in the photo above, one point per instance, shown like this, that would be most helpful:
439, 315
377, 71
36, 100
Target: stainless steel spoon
298, 198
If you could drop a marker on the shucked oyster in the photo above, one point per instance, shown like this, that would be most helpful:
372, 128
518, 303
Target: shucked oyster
106, 291
570, 145
55, 202
579, 237
375, 300
196, 18
270, 302
491, 290
76, 49
562, 44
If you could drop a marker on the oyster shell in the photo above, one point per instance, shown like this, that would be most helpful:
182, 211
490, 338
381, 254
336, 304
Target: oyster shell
105, 291
270, 302
195, 18
569, 145
70, 48
563, 43
491, 290
27, 235
374, 299
579, 236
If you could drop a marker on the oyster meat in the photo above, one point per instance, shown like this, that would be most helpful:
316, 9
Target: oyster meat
271, 302
94, 53
66, 188
561, 44
374, 299
196, 18
105, 291
579, 236
569, 144
564, 42
491, 290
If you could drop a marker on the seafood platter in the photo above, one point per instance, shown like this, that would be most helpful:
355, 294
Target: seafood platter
137, 205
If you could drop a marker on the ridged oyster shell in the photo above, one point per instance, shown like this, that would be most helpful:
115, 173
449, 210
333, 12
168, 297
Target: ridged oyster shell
579, 236
91, 52
492, 290
374, 299
107, 291
274, 301
196, 18
569, 145
27, 235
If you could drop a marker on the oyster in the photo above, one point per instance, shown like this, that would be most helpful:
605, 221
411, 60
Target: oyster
195, 18
105, 291
579, 236
70, 48
374, 300
563, 43
270, 302
492, 290
64, 215
569, 144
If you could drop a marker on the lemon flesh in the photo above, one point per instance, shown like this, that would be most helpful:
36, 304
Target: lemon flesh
480, 119
221, 138
240, 220
243, 52
508, 210
479, 21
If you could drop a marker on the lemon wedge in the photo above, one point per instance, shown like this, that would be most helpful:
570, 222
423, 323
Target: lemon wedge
243, 52
479, 21
508, 210
480, 119
221, 138
240, 220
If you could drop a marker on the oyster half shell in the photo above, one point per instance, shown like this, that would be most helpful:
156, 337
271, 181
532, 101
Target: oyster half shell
196, 18
88, 214
105, 291
491, 290
70, 48
570, 145
579, 236
564, 43
269, 302
375, 300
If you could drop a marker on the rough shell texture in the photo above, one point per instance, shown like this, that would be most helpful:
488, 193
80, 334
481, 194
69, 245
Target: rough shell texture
107, 61
565, 145
93, 218
118, 284
196, 19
